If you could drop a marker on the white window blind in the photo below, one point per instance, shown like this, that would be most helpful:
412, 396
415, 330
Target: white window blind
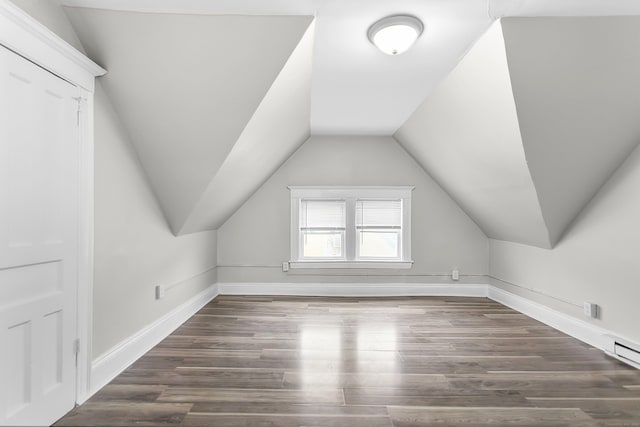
373, 214
379, 226
322, 228
322, 215
350, 227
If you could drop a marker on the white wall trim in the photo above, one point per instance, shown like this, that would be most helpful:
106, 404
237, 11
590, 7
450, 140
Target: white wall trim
591, 334
107, 366
26, 36
354, 289
85, 245
584, 331
351, 264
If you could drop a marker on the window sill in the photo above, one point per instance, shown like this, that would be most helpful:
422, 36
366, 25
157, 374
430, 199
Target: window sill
351, 264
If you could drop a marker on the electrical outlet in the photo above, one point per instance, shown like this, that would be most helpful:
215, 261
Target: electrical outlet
591, 310
285, 266
455, 275
160, 291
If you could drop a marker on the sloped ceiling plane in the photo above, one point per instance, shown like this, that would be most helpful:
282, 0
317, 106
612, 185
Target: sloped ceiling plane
519, 110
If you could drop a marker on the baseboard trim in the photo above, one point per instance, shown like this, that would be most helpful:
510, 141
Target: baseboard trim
579, 329
118, 358
354, 289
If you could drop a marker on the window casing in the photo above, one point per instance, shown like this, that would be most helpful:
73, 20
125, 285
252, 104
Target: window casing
351, 227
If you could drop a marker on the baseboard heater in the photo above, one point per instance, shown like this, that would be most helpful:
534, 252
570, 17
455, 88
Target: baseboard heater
627, 354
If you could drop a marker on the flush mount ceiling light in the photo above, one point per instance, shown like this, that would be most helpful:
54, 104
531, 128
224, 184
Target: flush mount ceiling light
395, 34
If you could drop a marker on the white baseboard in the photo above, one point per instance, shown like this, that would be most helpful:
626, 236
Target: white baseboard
118, 358
584, 331
354, 289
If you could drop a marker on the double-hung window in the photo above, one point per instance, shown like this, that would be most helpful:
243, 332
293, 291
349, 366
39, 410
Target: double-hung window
322, 229
350, 227
379, 229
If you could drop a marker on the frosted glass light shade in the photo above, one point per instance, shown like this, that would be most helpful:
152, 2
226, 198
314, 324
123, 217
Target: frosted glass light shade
395, 34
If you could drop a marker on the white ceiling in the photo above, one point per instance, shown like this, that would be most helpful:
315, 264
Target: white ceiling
216, 94
355, 88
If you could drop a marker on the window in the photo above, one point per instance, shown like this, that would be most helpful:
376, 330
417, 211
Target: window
322, 229
351, 227
378, 229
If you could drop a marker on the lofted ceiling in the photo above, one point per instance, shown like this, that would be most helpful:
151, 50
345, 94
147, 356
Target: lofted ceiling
575, 85
185, 87
532, 122
216, 95
466, 134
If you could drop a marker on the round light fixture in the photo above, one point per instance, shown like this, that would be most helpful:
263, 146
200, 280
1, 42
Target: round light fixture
395, 34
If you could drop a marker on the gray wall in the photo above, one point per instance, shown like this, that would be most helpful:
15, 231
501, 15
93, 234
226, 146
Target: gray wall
134, 248
254, 242
596, 260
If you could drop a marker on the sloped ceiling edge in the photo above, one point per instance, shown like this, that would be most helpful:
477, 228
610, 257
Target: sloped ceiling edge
466, 135
185, 87
278, 127
575, 85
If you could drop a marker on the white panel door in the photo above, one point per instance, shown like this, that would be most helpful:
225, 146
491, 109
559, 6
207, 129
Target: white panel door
39, 177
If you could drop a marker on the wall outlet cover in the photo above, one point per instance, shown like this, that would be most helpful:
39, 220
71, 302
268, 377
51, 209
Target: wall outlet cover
591, 310
160, 291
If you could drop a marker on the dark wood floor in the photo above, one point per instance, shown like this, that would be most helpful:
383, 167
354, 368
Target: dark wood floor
290, 361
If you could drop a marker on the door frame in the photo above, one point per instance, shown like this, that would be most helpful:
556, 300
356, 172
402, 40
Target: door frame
30, 39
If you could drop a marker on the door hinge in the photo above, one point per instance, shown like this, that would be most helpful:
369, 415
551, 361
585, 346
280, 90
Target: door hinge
76, 348
79, 101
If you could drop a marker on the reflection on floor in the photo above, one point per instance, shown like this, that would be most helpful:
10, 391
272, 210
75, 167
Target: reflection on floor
303, 361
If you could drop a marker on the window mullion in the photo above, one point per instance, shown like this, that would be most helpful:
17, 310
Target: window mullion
350, 232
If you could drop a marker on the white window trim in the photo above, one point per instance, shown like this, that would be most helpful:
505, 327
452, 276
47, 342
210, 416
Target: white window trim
350, 194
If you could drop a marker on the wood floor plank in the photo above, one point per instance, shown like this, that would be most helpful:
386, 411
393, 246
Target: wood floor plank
95, 413
203, 378
288, 409
455, 397
114, 392
206, 394
375, 362
607, 412
493, 416
263, 420
362, 380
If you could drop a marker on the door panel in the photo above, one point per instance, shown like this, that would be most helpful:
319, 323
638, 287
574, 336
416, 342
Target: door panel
39, 184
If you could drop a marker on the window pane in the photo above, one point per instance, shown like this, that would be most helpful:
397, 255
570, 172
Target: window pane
377, 213
322, 245
322, 214
379, 244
